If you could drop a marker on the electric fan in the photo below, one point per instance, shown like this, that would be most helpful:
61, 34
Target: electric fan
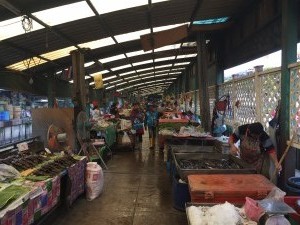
56, 138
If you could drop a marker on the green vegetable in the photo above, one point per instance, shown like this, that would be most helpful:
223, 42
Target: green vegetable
10, 194
37, 178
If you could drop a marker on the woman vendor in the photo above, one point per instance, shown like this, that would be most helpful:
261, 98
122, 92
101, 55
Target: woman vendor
254, 143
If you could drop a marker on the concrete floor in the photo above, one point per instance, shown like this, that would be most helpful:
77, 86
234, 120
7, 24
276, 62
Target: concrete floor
137, 191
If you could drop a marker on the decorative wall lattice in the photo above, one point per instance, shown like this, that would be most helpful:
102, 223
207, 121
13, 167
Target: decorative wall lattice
295, 99
246, 98
256, 96
270, 95
227, 89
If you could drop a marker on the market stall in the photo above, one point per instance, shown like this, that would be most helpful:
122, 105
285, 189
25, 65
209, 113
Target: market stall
32, 185
167, 127
106, 131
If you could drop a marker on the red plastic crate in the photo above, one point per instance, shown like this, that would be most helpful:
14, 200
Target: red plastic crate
218, 188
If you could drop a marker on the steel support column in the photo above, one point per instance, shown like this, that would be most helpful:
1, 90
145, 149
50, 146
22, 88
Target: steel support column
203, 83
289, 55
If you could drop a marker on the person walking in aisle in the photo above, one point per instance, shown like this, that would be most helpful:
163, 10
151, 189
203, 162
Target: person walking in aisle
151, 121
137, 117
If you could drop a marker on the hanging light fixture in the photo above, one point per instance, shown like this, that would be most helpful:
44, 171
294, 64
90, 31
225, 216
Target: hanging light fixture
98, 81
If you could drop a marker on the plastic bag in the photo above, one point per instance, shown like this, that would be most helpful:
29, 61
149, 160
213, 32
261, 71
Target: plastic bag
94, 180
8, 172
126, 139
276, 194
277, 220
253, 210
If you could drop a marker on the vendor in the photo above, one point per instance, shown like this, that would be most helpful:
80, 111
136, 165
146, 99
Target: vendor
114, 110
254, 143
95, 111
161, 109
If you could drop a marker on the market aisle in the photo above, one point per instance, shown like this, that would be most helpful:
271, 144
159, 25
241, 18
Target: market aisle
137, 191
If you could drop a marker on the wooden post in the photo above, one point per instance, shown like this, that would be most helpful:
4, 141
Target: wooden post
79, 90
203, 83
257, 89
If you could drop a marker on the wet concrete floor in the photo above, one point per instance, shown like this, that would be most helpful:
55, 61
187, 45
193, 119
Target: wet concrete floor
137, 191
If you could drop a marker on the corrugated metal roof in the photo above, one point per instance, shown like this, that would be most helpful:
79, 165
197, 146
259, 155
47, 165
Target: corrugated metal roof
90, 29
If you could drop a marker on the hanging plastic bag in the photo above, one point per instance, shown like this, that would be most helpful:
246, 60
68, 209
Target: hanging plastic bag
94, 180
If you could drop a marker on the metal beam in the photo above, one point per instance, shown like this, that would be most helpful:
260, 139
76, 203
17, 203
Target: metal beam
55, 31
18, 12
108, 31
150, 24
192, 18
10, 7
29, 53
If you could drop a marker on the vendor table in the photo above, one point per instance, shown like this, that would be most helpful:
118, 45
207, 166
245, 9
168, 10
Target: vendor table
44, 196
169, 123
110, 136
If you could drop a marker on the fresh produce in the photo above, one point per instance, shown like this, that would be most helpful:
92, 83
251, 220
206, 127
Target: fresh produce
10, 194
24, 162
37, 178
55, 167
